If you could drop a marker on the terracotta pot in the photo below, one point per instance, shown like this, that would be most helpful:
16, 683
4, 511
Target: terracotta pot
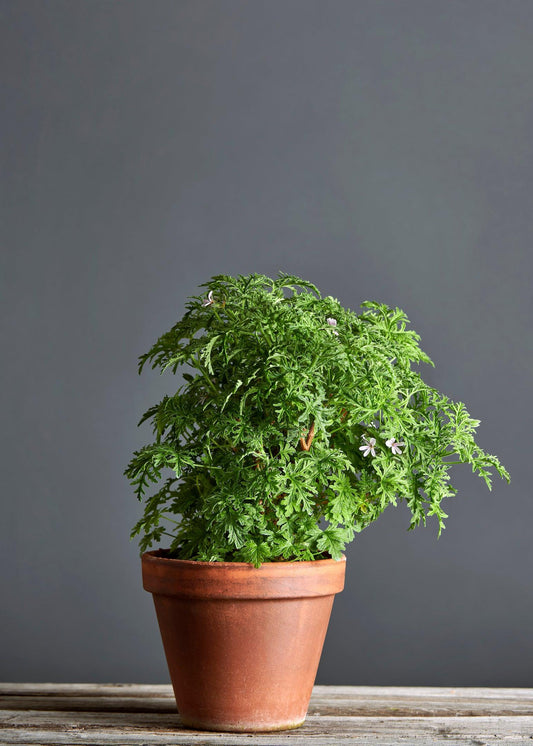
242, 643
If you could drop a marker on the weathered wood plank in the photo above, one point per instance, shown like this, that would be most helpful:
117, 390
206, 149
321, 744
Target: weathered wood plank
341, 701
87, 690
421, 702
164, 690
361, 706
102, 715
89, 704
161, 690
96, 728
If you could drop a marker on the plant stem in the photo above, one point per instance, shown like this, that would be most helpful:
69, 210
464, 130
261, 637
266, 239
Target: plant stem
306, 444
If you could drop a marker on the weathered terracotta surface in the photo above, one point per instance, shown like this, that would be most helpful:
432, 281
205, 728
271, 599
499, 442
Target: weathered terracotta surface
242, 643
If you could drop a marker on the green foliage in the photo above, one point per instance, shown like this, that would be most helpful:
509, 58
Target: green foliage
267, 439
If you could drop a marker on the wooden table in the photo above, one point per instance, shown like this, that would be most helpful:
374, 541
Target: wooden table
125, 714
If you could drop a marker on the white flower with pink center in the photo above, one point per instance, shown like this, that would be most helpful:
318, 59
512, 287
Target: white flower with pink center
209, 300
395, 446
369, 446
333, 322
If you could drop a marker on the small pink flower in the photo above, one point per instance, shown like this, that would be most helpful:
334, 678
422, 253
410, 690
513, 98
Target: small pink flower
394, 445
333, 322
369, 446
209, 300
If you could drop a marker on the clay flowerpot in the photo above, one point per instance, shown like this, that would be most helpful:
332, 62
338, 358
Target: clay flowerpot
242, 643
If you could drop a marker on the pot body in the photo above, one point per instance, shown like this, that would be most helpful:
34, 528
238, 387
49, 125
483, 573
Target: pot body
242, 643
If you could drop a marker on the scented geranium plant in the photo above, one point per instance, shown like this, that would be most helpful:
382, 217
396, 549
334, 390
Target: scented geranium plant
297, 422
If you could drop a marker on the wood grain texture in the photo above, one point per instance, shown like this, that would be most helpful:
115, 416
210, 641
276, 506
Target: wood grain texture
102, 714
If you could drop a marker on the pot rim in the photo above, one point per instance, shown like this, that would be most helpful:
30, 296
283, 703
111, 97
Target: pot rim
238, 580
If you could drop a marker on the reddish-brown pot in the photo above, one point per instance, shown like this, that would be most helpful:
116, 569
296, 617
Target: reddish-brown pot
242, 643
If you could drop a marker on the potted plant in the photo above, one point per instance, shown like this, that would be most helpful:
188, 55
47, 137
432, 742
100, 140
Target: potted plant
296, 424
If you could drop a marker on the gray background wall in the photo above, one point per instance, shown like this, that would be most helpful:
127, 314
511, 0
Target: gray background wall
380, 149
